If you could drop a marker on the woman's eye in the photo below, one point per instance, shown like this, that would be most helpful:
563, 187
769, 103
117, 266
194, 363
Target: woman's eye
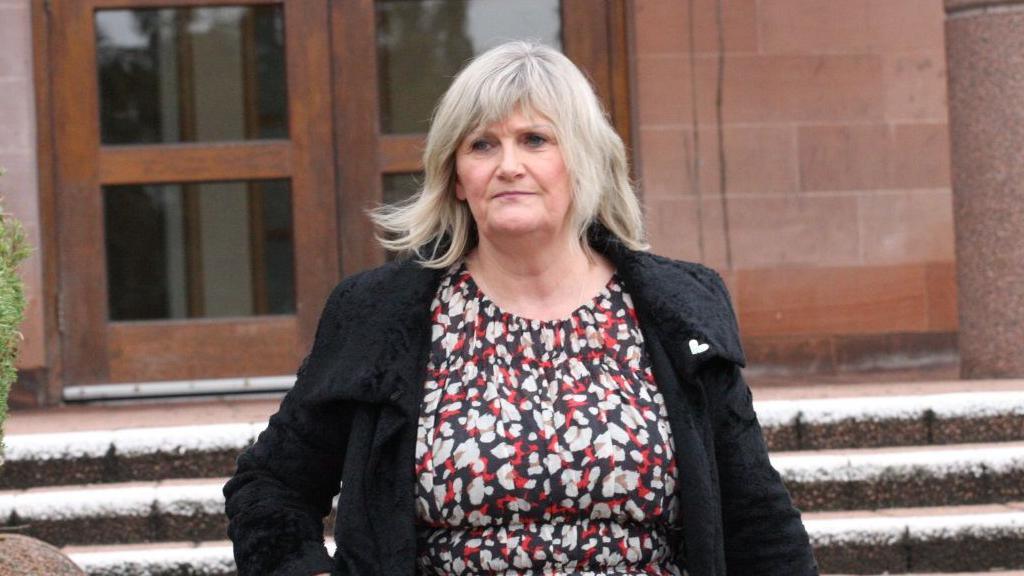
535, 140
480, 146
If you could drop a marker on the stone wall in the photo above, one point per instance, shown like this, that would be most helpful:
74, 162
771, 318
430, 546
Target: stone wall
835, 231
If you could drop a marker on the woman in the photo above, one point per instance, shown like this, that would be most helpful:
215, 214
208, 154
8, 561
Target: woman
529, 392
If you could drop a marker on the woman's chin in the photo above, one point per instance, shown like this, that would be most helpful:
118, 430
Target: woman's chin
517, 230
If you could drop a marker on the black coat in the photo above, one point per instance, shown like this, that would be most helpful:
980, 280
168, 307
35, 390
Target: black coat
353, 413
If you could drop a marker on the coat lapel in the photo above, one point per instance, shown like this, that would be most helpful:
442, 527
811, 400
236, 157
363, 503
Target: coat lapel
686, 304
403, 322
699, 504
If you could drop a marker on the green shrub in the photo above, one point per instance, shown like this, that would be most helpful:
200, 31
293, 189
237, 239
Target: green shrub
13, 249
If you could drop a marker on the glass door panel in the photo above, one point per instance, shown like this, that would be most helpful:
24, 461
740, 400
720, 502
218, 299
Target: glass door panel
191, 74
421, 45
199, 250
400, 186
189, 141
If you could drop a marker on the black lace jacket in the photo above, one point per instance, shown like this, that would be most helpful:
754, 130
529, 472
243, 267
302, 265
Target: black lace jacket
350, 423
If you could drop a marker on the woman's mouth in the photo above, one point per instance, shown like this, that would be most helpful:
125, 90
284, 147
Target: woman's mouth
511, 194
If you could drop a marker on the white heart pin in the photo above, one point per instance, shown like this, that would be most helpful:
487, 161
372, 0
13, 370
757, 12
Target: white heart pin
697, 347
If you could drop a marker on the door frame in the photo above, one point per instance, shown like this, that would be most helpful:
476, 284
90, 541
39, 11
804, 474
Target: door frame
95, 350
346, 155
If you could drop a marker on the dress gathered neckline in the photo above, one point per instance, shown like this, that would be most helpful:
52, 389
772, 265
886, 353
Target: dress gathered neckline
605, 292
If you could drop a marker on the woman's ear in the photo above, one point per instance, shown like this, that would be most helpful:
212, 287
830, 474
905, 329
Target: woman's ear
460, 193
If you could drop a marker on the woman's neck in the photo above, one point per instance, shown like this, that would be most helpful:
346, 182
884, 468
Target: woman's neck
540, 284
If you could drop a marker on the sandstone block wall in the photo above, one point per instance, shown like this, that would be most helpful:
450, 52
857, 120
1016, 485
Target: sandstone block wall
836, 232
836, 222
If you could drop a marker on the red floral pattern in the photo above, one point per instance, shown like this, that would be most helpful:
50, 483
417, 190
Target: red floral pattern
543, 447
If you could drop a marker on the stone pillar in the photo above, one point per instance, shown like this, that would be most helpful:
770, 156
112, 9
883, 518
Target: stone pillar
985, 50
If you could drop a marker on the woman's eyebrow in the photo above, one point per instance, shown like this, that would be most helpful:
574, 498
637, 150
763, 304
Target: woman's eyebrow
476, 133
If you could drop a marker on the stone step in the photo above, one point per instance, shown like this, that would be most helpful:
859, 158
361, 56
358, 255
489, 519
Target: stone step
894, 540
154, 453
902, 477
932, 541
211, 558
922, 540
164, 559
900, 420
124, 455
190, 510
818, 480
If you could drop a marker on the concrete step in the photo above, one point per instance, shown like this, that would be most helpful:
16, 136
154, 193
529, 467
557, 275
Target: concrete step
99, 477
898, 420
862, 479
153, 453
189, 510
212, 558
902, 477
921, 540
896, 541
124, 455
192, 509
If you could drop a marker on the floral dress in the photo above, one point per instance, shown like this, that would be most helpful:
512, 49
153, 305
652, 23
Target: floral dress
543, 446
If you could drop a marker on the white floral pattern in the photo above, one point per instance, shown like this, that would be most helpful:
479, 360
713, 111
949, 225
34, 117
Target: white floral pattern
543, 447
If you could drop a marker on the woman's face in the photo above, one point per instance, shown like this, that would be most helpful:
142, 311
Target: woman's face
513, 176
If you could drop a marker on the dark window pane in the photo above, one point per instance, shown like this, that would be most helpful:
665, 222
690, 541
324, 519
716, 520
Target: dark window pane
199, 250
422, 44
398, 187
191, 74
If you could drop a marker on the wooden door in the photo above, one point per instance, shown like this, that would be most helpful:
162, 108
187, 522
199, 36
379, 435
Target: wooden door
195, 185
200, 224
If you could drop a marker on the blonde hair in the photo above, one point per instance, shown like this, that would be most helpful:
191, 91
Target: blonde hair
438, 229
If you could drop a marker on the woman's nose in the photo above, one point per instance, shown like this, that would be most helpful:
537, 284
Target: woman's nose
511, 165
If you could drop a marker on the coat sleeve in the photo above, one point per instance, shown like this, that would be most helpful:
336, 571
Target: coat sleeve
284, 484
762, 531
